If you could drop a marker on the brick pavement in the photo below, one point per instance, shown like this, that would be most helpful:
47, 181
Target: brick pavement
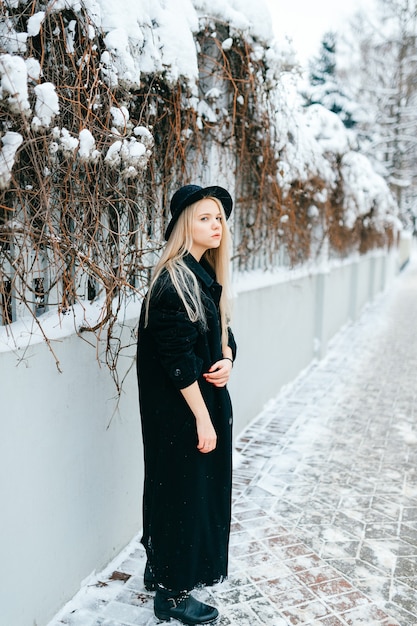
324, 508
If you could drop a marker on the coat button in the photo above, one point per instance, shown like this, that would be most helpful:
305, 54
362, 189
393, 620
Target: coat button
177, 372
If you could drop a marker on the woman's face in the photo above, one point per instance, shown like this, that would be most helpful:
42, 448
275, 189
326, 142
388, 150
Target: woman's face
207, 227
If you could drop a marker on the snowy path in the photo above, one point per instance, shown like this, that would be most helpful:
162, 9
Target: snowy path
325, 513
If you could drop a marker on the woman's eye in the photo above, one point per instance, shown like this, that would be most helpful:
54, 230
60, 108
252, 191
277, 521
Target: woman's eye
205, 218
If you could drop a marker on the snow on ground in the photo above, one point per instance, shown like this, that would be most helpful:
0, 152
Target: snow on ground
306, 473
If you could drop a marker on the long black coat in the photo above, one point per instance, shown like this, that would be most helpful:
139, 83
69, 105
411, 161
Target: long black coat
187, 494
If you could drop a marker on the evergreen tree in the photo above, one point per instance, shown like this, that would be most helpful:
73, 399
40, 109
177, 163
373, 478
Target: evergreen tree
324, 86
323, 68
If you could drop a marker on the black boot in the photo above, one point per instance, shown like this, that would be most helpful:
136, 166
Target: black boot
182, 607
149, 578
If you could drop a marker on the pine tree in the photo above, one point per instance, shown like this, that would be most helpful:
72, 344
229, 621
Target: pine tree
324, 86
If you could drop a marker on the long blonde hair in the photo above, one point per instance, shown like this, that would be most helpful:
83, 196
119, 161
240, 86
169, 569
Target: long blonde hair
184, 280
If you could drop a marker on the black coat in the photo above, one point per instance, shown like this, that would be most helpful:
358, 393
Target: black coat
187, 494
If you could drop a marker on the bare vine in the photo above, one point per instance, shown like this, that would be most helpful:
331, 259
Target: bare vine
79, 227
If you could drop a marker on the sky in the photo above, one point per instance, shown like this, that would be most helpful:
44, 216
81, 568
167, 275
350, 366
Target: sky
305, 21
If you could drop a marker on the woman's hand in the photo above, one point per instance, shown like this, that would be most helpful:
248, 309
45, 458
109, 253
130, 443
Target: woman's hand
207, 438
219, 373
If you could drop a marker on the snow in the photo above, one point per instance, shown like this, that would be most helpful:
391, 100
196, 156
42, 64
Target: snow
35, 22
70, 35
120, 116
305, 468
155, 36
227, 43
46, 106
328, 129
68, 143
55, 325
130, 153
243, 15
13, 86
151, 36
33, 69
12, 41
364, 189
144, 134
87, 150
11, 142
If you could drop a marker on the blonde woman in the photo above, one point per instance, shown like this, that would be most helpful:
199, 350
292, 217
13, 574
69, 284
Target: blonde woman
185, 357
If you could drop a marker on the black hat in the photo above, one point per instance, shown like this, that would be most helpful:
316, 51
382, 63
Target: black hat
192, 193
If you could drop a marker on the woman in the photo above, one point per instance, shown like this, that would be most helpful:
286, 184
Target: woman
185, 356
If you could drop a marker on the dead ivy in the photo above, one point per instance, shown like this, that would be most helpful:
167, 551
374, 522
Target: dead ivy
74, 230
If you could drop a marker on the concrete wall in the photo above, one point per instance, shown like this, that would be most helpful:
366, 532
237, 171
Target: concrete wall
281, 328
275, 328
70, 482
71, 471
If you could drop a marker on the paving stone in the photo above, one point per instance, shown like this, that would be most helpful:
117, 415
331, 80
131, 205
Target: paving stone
324, 528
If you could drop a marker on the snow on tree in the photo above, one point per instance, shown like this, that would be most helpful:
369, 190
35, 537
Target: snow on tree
378, 58
326, 88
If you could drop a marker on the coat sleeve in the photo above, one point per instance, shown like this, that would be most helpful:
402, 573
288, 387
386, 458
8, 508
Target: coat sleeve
175, 337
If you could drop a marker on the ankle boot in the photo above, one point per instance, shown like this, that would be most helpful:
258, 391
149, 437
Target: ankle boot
182, 607
149, 578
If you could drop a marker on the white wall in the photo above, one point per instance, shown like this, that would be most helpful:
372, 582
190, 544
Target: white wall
70, 483
70, 488
281, 328
274, 328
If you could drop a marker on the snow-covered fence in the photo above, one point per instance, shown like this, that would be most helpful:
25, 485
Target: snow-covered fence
71, 458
